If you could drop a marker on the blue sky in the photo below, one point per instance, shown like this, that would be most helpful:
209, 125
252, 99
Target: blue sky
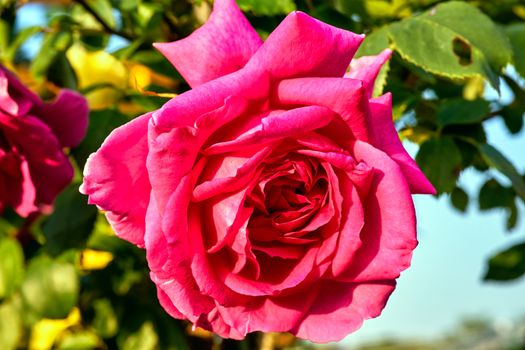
444, 283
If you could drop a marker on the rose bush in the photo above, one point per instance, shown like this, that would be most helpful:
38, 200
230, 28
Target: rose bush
275, 195
33, 166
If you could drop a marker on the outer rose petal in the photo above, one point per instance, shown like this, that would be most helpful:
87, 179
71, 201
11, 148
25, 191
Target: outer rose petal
389, 234
303, 46
268, 314
169, 265
346, 97
341, 308
222, 45
67, 116
385, 137
116, 180
367, 68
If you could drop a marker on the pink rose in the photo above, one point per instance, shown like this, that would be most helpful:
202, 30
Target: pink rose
33, 166
273, 196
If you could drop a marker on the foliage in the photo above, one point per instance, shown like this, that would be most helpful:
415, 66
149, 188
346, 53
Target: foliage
66, 281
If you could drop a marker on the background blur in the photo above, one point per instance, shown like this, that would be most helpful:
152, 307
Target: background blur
463, 124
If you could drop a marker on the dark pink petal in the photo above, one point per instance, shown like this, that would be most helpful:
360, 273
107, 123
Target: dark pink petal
222, 45
385, 137
346, 97
116, 180
303, 46
15, 98
48, 166
22, 195
389, 234
341, 308
16, 187
67, 116
367, 68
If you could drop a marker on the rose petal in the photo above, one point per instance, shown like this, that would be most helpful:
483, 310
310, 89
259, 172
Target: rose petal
222, 45
303, 46
49, 167
346, 97
67, 116
385, 138
341, 308
117, 167
284, 312
170, 269
352, 221
277, 126
15, 98
389, 234
367, 68
173, 139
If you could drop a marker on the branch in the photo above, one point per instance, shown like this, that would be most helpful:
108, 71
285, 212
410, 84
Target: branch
99, 19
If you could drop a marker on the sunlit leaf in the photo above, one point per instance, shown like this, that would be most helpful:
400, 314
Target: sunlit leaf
11, 266
50, 288
268, 8
454, 40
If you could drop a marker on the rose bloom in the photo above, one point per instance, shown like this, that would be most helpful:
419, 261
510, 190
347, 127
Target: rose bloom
33, 166
275, 195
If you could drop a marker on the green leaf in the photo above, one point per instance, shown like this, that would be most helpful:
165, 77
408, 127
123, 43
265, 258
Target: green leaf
374, 43
512, 217
440, 160
454, 40
267, 8
105, 321
54, 43
101, 123
459, 199
11, 266
104, 10
145, 338
493, 195
79, 340
516, 34
460, 111
497, 160
381, 80
477, 28
21, 38
50, 288
10, 325
71, 222
507, 265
